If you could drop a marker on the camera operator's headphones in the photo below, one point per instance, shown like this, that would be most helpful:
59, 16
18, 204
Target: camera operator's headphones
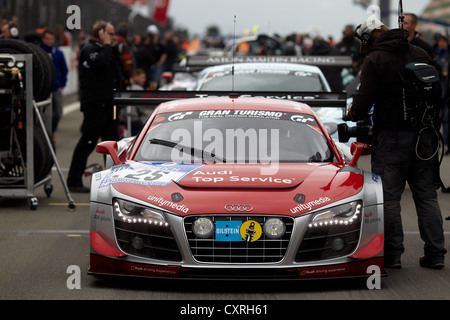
365, 38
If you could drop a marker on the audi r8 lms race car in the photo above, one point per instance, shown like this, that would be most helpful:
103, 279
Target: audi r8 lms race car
234, 187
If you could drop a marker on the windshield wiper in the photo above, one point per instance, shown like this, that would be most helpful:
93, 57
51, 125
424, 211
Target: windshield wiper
186, 149
315, 158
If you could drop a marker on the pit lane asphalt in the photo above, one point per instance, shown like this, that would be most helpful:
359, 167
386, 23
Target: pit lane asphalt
37, 248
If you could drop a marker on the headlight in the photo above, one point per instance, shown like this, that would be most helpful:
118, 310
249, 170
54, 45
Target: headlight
274, 228
127, 208
134, 213
340, 215
203, 227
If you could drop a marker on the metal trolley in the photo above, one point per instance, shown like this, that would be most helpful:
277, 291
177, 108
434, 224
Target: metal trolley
21, 123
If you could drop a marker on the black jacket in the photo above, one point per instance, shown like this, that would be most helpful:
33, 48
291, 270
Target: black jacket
99, 75
381, 83
331, 73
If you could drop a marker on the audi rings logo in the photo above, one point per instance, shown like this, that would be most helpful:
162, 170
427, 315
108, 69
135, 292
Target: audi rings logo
239, 207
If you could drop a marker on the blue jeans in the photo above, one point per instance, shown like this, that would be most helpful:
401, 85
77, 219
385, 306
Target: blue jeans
398, 158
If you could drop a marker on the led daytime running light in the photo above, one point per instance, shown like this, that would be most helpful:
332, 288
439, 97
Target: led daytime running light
137, 219
334, 220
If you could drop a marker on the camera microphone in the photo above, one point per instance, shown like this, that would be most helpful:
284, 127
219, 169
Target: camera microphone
401, 17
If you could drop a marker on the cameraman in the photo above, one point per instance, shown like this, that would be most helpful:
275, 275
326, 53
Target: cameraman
394, 155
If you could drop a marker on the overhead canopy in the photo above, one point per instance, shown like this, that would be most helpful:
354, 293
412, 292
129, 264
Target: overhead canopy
435, 17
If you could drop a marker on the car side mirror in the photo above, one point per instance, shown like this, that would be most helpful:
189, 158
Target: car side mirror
109, 148
167, 76
358, 149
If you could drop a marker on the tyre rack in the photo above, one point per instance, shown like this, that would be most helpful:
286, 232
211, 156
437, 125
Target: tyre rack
27, 186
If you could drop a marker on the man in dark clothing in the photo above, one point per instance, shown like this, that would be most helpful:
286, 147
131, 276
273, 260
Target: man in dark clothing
159, 54
99, 76
171, 43
349, 46
144, 58
321, 47
410, 24
394, 156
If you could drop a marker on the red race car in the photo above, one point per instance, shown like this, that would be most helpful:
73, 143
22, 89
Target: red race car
234, 187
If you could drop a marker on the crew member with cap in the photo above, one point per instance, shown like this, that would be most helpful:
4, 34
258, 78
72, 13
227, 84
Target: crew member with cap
394, 155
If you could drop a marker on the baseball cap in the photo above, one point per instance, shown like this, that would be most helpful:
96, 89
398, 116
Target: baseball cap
369, 25
363, 31
152, 29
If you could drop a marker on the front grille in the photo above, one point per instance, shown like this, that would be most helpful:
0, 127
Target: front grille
148, 241
318, 242
263, 250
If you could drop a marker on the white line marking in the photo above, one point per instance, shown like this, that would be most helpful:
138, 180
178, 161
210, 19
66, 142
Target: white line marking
71, 107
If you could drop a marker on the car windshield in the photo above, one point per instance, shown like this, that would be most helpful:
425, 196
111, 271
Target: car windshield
234, 136
262, 80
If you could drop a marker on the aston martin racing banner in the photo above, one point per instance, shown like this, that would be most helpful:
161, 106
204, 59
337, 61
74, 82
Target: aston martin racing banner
336, 61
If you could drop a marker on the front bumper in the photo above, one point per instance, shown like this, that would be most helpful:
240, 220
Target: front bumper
299, 255
100, 265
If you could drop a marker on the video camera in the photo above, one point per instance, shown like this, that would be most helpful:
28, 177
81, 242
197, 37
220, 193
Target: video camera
363, 131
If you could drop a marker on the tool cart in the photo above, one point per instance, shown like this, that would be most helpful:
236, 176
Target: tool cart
26, 151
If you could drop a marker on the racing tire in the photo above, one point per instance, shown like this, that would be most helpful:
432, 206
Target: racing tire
48, 72
42, 154
43, 160
43, 68
13, 167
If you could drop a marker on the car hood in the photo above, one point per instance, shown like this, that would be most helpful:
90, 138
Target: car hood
288, 188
